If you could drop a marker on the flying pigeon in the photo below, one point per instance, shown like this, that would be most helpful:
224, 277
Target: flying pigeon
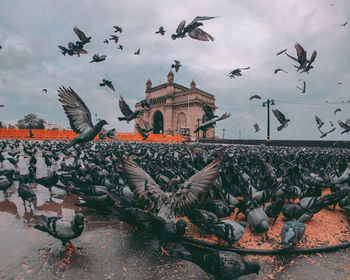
114, 38
79, 116
302, 60
331, 123
210, 123
107, 83
177, 65
192, 29
255, 96
44, 90
161, 31
319, 122
324, 134
302, 89
340, 84
337, 110
281, 52
126, 111
120, 47
65, 51
256, 127
97, 58
278, 70
2, 106
345, 23
237, 72
209, 115
137, 52
118, 29
105, 41
84, 40
145, 103
309, 66
281, 118
143, 131
62, 229
345, 126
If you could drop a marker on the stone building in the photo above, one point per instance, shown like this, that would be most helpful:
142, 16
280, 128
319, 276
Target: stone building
173, 106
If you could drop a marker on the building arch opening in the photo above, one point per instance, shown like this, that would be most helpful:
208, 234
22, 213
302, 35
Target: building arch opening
158, 123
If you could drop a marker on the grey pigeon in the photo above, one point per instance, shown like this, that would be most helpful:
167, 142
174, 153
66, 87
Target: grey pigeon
79, 116
192, 29
278, 70
255, 96
97, 58
26, 193
293, 231
125, 109
229, 230
345, 126
281, 52
281, 118
114, 38
302, 89
161, 31
256, 127
237, 72
62, 229
319, 122
177, 65
118, 29
221, 264
257, 219
107, 83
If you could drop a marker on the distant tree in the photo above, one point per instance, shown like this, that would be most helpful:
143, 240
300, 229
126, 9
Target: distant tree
31, 121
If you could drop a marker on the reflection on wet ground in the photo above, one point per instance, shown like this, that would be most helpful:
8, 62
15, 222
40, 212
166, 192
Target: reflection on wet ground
110, 249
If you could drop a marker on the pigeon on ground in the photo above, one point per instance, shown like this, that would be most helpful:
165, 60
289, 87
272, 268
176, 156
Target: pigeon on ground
137, 52
281, 52
177, 65
114, 38
97, 58
237, 72
256, 127
302, 89
204, 219
229, 230
293, 231
192, 29
319, 122
61, 228
118, 29
126, 111
107, 83
345, 126
336, 111
26, 193
7, 182
255, 96
281, 118
221, 264
48, 181
278, 70
161, 31
79, 116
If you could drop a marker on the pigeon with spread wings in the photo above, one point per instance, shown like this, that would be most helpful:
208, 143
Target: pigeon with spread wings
161, 31
345, 126
79, 116
302, 90
177, 65
336, 111
309, 66
255, 96
208, 113
98, 58
281, 118
126, 111
192, 29
237, 72
210, 123
256, 127
324, 134
107, 83
81, 35
319, 122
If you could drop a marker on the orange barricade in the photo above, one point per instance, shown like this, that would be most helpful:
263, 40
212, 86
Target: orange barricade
44, 134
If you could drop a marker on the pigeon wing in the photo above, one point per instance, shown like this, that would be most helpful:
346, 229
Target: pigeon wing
124, 108
64, 229
292, 57
140, 130
318, 120
280, 117
195, 188
343, 125
200, 18
144, 187
80, 34
301, 53
181, 26
77, 112
201, 35
110, 85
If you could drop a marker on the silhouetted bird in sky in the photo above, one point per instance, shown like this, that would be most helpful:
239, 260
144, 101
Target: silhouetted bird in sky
256, 127
118, 29
63, 229
137, 52
345, 23
79, 116
324, 134
255, 96
345, 126
237, 72
81, 35
208, 113
97, 58
105, 41
337, 110
44, 90
107, 83
210, 123
281, 118
302, 60
192, 29
309, 66
120, 47
319, 122
114, 38
143, 131
278, 70
161, 31
177, 65
302, 90
2, 106
281, 52
126, 111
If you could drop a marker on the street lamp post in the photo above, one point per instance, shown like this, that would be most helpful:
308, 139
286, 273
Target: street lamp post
198, 120
267, 104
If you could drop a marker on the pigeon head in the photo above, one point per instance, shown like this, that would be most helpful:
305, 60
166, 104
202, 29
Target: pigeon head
181, 227
79, 221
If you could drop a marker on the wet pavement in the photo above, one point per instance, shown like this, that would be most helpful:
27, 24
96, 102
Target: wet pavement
110, 249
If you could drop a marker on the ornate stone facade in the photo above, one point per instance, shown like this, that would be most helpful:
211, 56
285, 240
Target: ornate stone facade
173, 106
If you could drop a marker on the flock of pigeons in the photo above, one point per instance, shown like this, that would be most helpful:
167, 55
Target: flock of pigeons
148, 185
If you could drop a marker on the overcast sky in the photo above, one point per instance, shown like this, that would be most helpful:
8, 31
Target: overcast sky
248, 33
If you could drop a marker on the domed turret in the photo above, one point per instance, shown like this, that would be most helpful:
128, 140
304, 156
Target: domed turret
148, 84
192, 84
170, 77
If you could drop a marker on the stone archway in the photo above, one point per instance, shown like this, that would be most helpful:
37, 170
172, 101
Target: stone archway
158, 123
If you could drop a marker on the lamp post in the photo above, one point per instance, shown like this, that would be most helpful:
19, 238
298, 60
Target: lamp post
198, 120
267, 104
223, 133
